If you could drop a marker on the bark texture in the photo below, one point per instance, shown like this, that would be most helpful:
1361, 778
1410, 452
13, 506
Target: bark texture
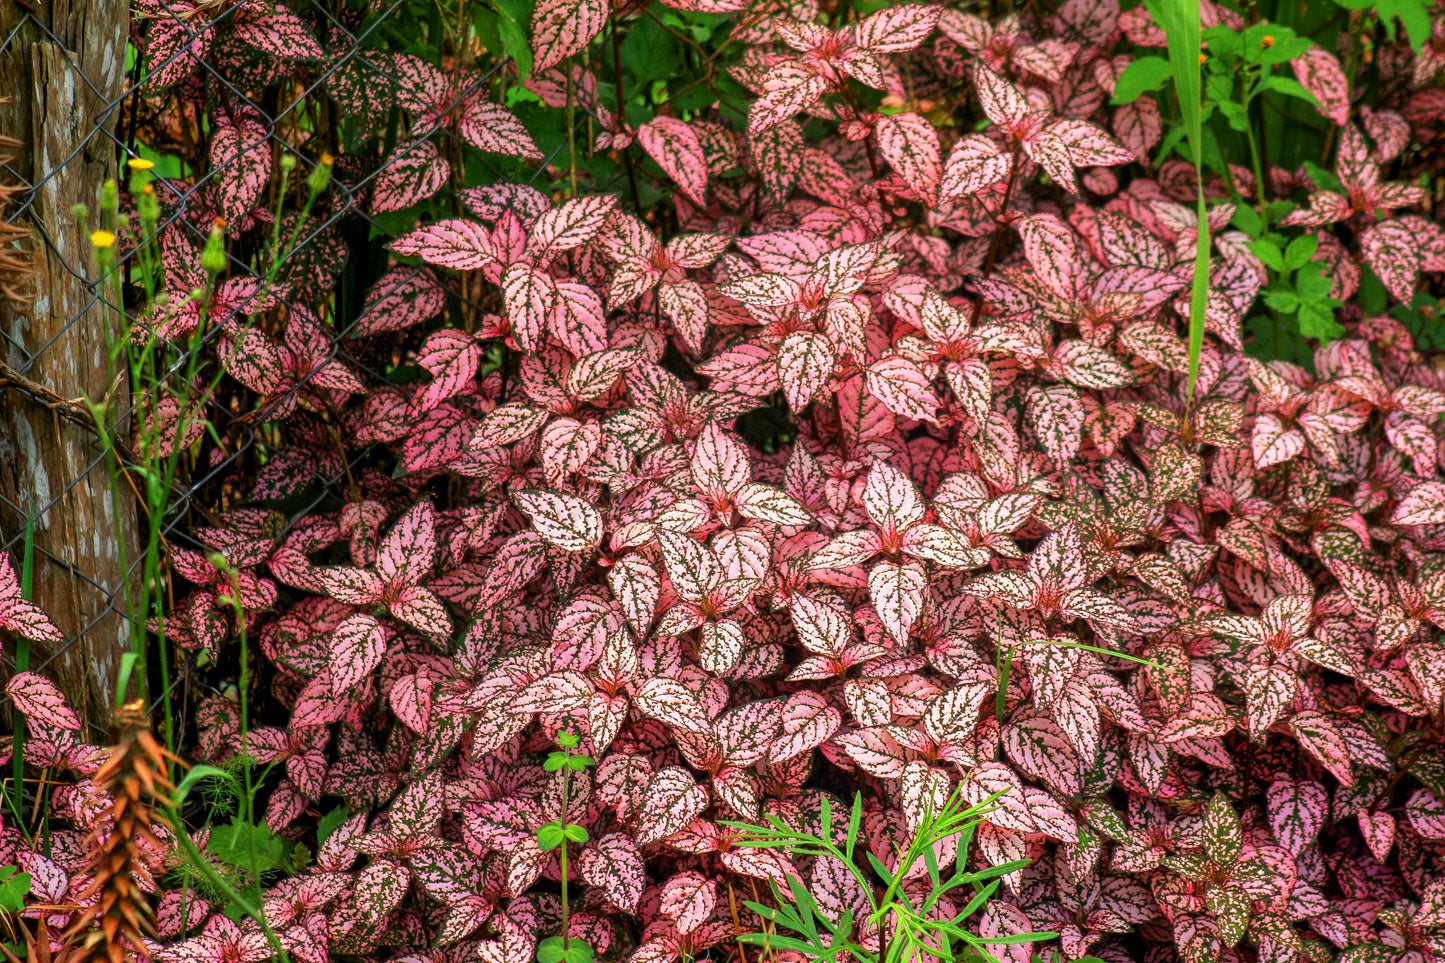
65, 64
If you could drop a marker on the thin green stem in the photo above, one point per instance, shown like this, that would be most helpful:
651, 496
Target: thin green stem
571, 126
278, 257
217, 880
1000, 699
248, 807
276, 224
566, 909
622, 113
1257, 166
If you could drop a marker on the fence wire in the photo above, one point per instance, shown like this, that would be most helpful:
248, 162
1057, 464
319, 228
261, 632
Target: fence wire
118, 132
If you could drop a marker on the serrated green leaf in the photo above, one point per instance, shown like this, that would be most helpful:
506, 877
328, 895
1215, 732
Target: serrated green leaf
1316, 321
1312, 284
1247, 219
513, 18
1299, 252
1283, 300
1269, 253
330, 822
249, 847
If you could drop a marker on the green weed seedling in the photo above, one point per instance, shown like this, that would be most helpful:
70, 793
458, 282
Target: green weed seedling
915, 935
1298, 291
1413, 15
14, 887
556, 835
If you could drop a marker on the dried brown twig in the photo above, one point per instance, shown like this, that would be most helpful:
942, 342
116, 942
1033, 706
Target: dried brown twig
17, 266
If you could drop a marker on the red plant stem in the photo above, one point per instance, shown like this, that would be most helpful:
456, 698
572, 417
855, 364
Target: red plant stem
622, 113
998, 230
737, 923
867, 141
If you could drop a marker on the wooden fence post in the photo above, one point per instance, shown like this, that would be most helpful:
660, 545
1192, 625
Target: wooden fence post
64, 67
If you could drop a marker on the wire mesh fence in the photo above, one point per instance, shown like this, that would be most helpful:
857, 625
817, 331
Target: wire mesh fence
86, 103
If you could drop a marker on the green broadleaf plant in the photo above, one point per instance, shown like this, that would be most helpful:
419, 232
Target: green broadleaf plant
14, 885
1414, 16
1299, 288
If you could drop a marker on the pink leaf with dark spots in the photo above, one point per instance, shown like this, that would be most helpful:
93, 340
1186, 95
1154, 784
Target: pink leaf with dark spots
805, 363
688, 899
898, 595
677, 150
561, 28
672, 801
571, 225
910, 144
19, 615
903, 388
560, 692
456, 243
807, 722
532, 302
565, 520
39, 700
672, 703
1320, 73
403, 297
897, 28
616, 866
495, 129
417, 173
453, 358
357, 647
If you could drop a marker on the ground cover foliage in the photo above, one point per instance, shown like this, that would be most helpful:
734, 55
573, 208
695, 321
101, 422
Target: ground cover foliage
771, 402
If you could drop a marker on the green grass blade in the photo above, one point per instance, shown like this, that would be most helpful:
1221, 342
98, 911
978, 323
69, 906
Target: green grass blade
22, 662
1094, 648
1180, 20
855, 822
1017, 938
1198, 296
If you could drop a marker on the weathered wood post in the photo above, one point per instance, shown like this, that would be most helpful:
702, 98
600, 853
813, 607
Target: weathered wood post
64, 68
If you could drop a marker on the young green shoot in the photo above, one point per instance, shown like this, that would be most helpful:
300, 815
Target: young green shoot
557, 835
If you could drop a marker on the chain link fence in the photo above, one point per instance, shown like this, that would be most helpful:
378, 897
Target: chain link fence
84, 104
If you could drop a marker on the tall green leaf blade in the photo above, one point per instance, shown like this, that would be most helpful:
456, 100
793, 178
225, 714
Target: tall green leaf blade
1180, 19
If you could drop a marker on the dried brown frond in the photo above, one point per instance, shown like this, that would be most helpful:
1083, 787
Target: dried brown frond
134, 774
41, 947
17, 266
